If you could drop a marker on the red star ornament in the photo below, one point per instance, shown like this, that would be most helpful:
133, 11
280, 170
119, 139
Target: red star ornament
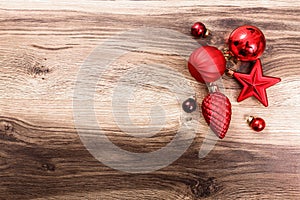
255, 84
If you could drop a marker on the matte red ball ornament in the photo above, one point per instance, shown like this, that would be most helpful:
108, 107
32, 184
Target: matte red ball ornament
247, 43
257, 123
207, 64
199, 30
216, 110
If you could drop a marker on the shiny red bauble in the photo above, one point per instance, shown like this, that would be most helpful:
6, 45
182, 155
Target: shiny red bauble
207, 64
247, 43
198, 30
257, 124
216, 110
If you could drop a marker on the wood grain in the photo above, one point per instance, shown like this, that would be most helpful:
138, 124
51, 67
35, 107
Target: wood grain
43, 46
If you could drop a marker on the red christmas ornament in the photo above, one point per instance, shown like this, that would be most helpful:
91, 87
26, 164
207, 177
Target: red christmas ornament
199, 30
207, 64
255, 84
247, 43
216, 109
257, 123
189, 105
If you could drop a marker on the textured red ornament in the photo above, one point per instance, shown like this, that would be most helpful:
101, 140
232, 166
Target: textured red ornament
198, 30
207, 64
255, 84
216, 109
257, 124
247, 43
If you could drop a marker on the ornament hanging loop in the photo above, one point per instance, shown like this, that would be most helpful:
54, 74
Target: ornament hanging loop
227, 54
207, 33
212, 87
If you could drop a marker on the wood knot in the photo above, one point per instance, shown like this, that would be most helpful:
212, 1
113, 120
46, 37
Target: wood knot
38, 70
32, 64
48, 167
7, 131
204, 188
6, 126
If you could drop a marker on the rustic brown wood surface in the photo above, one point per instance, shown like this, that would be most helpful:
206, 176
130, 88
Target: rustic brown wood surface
43, 44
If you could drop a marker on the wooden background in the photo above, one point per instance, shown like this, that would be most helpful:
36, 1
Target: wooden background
44, 43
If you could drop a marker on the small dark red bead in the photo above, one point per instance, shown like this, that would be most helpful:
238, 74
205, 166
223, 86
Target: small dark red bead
198, 29
189, 105
258, 124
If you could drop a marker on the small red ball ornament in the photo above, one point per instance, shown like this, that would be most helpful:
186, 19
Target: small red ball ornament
216, 110
207, 64
199, 30
247, 43
257, 123
189, 105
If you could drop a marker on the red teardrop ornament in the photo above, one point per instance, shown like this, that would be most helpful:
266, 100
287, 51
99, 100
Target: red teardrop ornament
247, 43
216, 110
207, 64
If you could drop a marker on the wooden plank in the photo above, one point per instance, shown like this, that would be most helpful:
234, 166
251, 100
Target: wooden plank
42, 50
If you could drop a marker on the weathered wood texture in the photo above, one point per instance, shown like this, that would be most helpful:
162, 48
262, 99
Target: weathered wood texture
44, 43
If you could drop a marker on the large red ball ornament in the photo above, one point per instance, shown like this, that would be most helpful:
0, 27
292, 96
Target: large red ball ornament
247, 43
207, 64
